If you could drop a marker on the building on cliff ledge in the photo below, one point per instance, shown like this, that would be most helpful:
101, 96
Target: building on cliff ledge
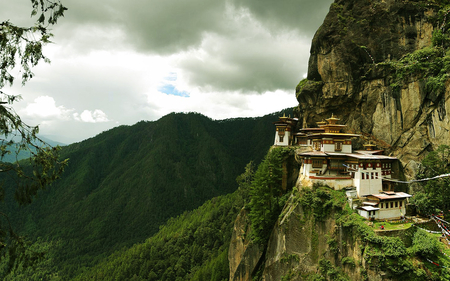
327, 158
284, 128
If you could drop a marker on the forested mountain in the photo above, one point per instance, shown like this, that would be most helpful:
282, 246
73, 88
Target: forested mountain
193, 246
121, 185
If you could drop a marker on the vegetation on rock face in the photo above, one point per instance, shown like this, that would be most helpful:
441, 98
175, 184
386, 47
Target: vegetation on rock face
424, 245
267, 196
432, 196
400, 259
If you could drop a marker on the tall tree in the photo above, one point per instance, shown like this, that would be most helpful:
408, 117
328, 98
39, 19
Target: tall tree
266, 194
21, 48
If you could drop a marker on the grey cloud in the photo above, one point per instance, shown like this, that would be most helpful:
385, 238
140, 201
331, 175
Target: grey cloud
255, 65
158, 26
169, 26
303, 15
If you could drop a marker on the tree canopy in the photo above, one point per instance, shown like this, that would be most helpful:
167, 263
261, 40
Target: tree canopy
21, 49
433, 195
266, 194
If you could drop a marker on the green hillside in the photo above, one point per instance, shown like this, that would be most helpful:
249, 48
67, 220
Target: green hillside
193, 246
121, 185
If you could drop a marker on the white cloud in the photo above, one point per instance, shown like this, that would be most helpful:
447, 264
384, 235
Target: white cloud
221, 105
96, 116
44, 107
221, 58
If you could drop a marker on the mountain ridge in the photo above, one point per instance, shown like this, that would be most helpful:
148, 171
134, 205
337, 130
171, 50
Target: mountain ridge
122, 184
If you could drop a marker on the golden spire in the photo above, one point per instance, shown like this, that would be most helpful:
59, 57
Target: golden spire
332, 119
370, 146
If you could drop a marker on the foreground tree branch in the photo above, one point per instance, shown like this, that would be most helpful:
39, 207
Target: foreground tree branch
22, 48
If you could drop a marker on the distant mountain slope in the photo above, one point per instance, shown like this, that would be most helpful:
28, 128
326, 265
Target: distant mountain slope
121, 185
23, 154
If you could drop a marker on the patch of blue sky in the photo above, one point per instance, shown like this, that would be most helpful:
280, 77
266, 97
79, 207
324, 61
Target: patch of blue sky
169, 89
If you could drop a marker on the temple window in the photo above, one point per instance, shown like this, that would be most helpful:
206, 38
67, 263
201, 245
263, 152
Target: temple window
338, 146
316, 145
317, 163
281, 138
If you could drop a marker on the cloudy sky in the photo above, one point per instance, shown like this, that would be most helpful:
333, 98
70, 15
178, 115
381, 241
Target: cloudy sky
116, 62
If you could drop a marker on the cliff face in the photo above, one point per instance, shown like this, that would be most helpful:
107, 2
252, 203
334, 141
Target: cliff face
243, 255
317, 238
354, 72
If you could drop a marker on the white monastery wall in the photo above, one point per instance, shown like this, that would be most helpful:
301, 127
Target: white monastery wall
328, 147
371, 184
392, 213
347, 148
285, 141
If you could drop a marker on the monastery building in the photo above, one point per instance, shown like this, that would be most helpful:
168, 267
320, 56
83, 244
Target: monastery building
327, 158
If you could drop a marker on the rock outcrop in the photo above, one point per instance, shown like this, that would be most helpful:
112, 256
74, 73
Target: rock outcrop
243, 255
351, 74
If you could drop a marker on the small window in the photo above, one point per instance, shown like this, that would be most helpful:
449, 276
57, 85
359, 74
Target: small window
371, 175
317, 163
376, 175
362, 176
401, 203
338, 146
316, 145
392, 204
396, 204
281, 138
381, 206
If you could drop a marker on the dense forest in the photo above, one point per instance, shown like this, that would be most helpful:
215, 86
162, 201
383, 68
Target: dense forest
123, 184
192, 246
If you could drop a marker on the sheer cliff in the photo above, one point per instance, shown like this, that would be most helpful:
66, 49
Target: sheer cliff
382, 67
